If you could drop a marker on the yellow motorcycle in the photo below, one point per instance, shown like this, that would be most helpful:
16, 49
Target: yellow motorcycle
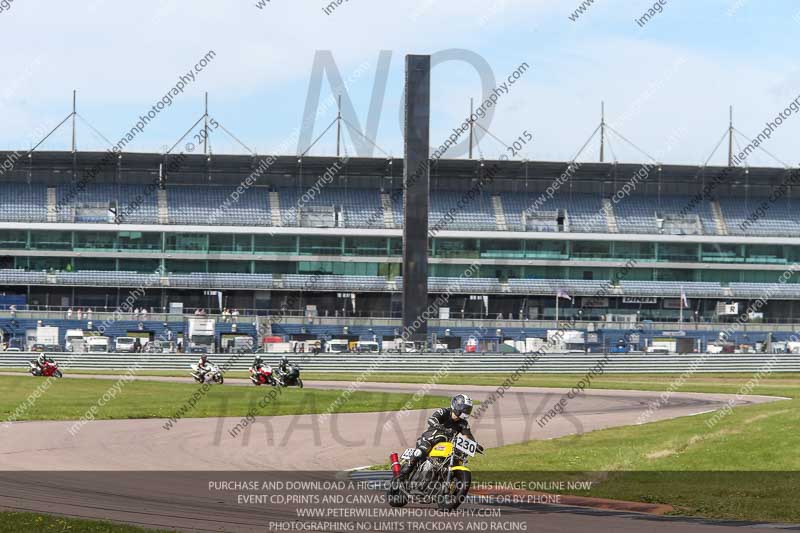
441, 478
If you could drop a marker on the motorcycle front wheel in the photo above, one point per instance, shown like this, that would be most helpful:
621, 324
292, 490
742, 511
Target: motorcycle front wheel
220, 379
300, 383
395, 496
58, 374
454, 494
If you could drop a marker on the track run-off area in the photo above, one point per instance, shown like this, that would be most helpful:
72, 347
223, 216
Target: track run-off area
139, 472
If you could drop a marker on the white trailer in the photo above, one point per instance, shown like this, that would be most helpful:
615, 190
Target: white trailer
201, 335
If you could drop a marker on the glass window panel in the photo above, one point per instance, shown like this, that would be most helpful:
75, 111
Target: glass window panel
88, 263
136, 240
645, 251
180, 266
314, 245
220, 242
139, 265
375, 246
187, 242
502, 248
591, 250
673, 251
233, 267
95, 240
275, 267
546, 249
13, 239
51, 240
456, 248
276, 244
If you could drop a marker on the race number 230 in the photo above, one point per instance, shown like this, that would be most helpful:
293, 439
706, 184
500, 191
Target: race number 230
466, 445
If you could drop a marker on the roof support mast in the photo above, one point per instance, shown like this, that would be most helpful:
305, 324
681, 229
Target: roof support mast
471, 125
339, 126
730, 136
74, 113
205, 127
602, 130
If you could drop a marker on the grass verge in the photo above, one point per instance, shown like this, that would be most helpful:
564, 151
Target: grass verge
743, 467
12, 522
69, 399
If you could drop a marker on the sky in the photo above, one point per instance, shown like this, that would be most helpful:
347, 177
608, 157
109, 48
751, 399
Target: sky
667, 84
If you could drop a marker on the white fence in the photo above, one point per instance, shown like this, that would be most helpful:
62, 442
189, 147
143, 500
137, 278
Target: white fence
431, 363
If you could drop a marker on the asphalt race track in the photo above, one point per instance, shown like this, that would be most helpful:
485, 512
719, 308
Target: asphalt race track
137, 471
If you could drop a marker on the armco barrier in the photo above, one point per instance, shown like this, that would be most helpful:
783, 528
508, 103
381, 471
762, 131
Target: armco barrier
430, 363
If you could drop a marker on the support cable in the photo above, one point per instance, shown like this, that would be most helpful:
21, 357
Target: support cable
631, 144
320, 137
199, 120
95, 130
761, 148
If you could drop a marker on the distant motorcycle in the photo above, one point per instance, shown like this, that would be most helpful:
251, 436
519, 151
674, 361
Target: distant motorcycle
50, 369
291, 378
214, 375
264, 375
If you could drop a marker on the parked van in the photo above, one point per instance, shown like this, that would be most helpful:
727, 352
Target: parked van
368, 347
125, 345
337, 346
75, 341
97, 344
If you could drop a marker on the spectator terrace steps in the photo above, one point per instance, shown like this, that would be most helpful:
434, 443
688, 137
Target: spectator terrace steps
719, 218
52, 213
611, 218
499, 213
388, 211
275, 208
163, 209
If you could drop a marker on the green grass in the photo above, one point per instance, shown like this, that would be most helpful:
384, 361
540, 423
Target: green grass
153, 373
69, 399
783, 384
34, 523
719, 472
778, 384
745, 467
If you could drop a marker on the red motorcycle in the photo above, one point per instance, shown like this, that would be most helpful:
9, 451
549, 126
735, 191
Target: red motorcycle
264, 375
50, 369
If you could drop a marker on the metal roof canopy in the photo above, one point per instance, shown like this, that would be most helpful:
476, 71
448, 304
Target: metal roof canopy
199, 169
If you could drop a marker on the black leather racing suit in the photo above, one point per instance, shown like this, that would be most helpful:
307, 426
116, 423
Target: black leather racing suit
441, 427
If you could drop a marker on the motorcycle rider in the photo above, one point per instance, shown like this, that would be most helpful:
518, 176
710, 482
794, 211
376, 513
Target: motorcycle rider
258, 362
442, 425
283, 366
42, 359
203, 367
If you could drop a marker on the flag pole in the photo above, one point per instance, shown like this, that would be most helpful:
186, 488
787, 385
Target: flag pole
557, 298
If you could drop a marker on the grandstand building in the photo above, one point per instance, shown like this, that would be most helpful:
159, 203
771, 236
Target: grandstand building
322, 236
